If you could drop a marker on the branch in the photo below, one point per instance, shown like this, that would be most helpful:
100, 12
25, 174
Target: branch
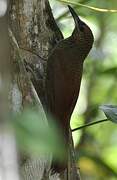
90, 124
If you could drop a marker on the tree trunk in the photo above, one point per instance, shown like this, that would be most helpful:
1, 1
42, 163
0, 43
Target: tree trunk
8, 152
33, 33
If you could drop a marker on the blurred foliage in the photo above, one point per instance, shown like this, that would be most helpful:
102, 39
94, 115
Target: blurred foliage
96, 145
35, 136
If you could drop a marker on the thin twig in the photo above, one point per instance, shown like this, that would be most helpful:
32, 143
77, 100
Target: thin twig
90, 124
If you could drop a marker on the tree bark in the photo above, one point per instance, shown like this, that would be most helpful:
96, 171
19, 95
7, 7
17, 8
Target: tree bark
8, 152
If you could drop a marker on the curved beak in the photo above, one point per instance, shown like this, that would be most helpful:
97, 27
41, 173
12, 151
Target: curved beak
78, 22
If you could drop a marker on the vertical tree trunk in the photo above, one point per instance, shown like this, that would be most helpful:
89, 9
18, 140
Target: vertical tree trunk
33, 34
8, 152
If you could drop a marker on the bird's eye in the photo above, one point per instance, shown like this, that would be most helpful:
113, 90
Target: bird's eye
82, 28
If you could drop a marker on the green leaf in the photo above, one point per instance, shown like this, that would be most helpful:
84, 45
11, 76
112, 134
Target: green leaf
110, 112
34, 135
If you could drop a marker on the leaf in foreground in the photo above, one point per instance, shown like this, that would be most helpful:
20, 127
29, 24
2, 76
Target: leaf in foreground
36, 136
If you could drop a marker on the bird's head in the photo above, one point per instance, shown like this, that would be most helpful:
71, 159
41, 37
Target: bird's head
82, 33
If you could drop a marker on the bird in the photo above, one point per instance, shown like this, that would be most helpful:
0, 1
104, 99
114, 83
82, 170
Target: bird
63, 78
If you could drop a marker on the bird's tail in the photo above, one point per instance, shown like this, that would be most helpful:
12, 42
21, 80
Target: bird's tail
58, 166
